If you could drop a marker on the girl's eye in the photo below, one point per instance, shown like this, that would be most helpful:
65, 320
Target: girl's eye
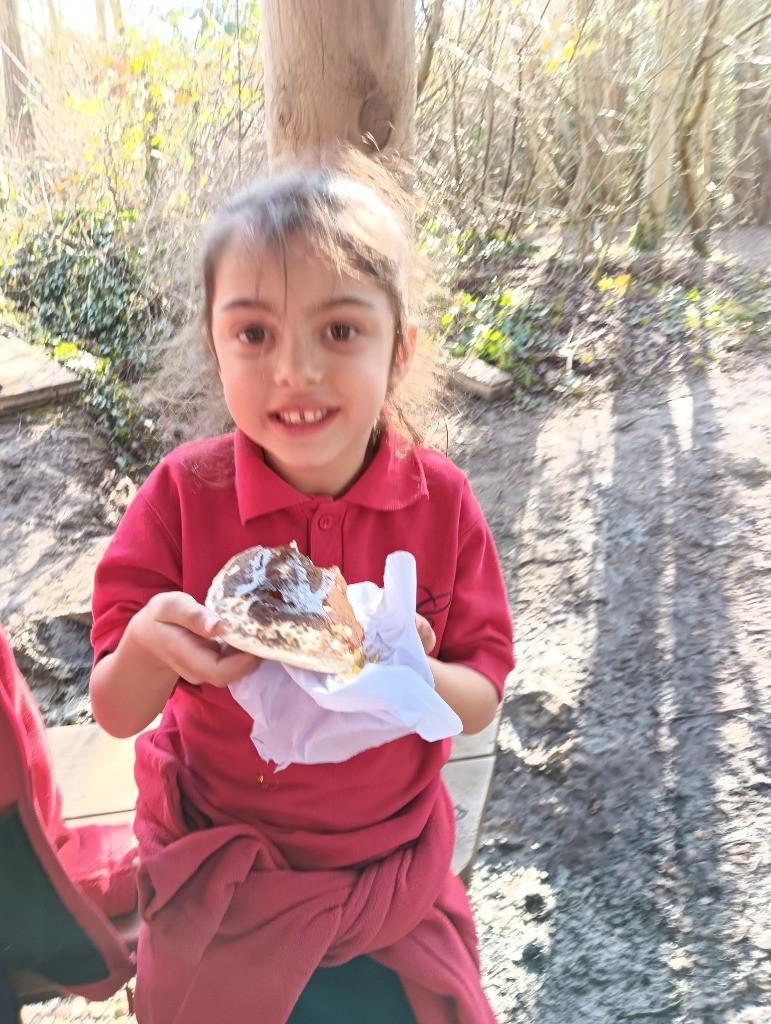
253, 335
341, 332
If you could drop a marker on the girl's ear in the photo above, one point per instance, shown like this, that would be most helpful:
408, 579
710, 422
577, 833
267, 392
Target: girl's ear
404, 354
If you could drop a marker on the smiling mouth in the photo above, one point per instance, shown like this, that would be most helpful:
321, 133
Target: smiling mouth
297, 417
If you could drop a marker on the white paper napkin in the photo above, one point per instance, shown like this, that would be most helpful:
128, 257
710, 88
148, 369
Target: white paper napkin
313, 718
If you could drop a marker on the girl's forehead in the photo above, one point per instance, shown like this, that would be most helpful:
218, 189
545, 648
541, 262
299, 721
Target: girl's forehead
268, 261
271, 272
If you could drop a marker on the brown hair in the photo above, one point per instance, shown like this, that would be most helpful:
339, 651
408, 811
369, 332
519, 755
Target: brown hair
358, 215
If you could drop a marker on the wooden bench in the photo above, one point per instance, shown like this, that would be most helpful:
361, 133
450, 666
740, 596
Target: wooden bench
96, 774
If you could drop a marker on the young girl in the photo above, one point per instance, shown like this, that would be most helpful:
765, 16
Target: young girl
320, 893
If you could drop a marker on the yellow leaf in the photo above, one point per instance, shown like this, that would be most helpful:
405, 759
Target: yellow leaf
622, 283
692, 318
619, 285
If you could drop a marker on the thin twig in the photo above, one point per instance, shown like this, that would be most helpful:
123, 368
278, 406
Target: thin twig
704, 714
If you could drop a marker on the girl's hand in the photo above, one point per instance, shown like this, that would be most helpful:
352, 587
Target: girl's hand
426, 633
181, 635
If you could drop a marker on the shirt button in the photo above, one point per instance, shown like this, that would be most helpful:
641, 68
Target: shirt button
326, 522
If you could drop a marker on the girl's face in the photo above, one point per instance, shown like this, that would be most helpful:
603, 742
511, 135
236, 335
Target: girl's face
306, 355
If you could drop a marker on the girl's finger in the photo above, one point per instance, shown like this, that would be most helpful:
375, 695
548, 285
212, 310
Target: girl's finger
180, 609
426, 633
229, 665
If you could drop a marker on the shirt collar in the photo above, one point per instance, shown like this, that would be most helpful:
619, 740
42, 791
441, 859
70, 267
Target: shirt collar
394, 479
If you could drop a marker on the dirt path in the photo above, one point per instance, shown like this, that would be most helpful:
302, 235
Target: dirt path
626, 868
625, 872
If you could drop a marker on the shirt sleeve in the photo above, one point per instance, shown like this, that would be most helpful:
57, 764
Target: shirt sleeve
479, 630
142, 559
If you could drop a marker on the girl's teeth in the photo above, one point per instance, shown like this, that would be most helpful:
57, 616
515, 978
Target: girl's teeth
296, 416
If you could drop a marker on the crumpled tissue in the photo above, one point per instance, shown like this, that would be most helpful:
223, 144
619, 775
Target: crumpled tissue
303, 717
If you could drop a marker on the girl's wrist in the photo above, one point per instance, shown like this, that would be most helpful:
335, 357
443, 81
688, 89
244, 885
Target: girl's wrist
471, 695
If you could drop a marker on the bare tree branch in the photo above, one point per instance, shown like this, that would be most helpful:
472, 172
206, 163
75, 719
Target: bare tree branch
433, 28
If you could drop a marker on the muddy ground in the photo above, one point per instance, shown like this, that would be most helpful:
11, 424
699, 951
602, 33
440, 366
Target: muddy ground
625, 867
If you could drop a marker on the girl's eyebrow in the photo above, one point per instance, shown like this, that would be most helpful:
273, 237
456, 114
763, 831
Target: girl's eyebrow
344, 300
254, 303
246, 304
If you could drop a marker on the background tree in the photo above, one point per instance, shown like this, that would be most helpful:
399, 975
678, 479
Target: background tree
600, 58
673, 53
341, 70
432, 19
101, 20
693, 149
15, 78
117, 15
751, 175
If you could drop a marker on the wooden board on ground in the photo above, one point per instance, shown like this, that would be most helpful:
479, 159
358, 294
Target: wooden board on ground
94, 770
469, 785
96, 776
479, 744
480, 378
28, 377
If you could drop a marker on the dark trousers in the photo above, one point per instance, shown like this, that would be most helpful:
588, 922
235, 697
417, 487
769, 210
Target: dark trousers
359, 992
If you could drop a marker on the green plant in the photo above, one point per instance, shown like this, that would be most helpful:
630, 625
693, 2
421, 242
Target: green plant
502, 330
82, 286
84, 280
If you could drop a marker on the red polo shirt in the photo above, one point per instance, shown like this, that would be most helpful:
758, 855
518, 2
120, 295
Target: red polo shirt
211, 499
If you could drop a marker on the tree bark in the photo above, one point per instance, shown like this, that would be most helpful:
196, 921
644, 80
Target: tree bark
53, 22
433, 28
599, 182
117, 16
692, 177
673, 45
17, 112
339, 71
101, 21
752, 133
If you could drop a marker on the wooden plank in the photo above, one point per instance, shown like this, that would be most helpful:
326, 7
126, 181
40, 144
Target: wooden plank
96, 774
480, 744
29, 377
94, 770
469, 784
479, 378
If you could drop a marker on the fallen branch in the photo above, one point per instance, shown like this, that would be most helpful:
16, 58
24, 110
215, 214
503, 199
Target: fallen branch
703, 714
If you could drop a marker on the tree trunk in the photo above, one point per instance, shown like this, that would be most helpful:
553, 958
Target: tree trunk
762, 204
117, 16
673, 45
339, 71
599, 183
692, 177
433, 28
101, 21
53, 22
17, 111
752, 174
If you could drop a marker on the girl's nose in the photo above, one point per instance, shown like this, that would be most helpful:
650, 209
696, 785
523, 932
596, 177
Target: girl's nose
297, 360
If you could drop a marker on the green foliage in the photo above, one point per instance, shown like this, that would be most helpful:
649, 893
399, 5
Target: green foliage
717, 319
83, 287
502, 330
110, 402
157, 113
84, 280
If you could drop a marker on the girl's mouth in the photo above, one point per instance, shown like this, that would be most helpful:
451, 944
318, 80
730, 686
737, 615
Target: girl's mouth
301, 417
